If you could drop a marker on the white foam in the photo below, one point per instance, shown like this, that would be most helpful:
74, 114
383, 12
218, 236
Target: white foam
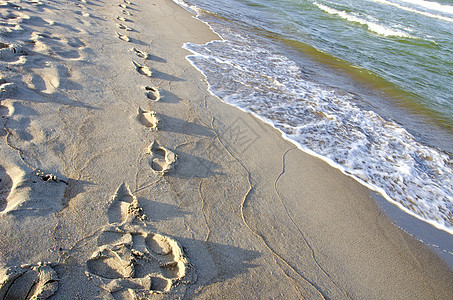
431, 5
325, 123
372, 26
423, 13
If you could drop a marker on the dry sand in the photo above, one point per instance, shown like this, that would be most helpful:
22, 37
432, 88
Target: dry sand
122, 177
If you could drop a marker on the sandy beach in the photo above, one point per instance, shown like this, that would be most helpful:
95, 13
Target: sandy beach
122, 177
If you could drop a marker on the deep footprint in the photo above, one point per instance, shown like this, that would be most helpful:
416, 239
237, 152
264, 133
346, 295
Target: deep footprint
131, 258
152, 93
151, 263
29, 282
148, 118
162, 159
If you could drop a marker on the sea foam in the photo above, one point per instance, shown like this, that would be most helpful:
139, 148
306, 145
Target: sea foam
327, 123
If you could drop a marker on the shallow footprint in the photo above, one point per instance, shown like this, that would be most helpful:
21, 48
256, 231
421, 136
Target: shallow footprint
123, 37
162, 159
148, 118
144, 70
29, 282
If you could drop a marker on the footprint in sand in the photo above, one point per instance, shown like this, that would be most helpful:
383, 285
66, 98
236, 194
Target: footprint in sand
144, 70
6, 184
132, 258
140, 53
152, 93
29, 282
123, 19
123, 37
124, 207
9, 52
148, 118
35, 193
162, 159
7, 89
121, 26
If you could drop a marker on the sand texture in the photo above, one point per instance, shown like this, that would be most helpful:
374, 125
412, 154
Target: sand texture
122, 177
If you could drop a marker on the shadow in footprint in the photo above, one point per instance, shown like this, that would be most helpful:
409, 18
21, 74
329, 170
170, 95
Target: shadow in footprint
29, 282
162, 159
176, 125
6, 184
190, 166
20, 127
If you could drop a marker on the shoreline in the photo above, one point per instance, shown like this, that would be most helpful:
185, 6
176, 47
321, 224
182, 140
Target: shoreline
393, 193
242, 213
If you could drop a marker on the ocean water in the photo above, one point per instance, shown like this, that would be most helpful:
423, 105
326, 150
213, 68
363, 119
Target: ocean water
365, 85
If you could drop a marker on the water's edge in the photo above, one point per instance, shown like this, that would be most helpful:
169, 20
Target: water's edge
431, 233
